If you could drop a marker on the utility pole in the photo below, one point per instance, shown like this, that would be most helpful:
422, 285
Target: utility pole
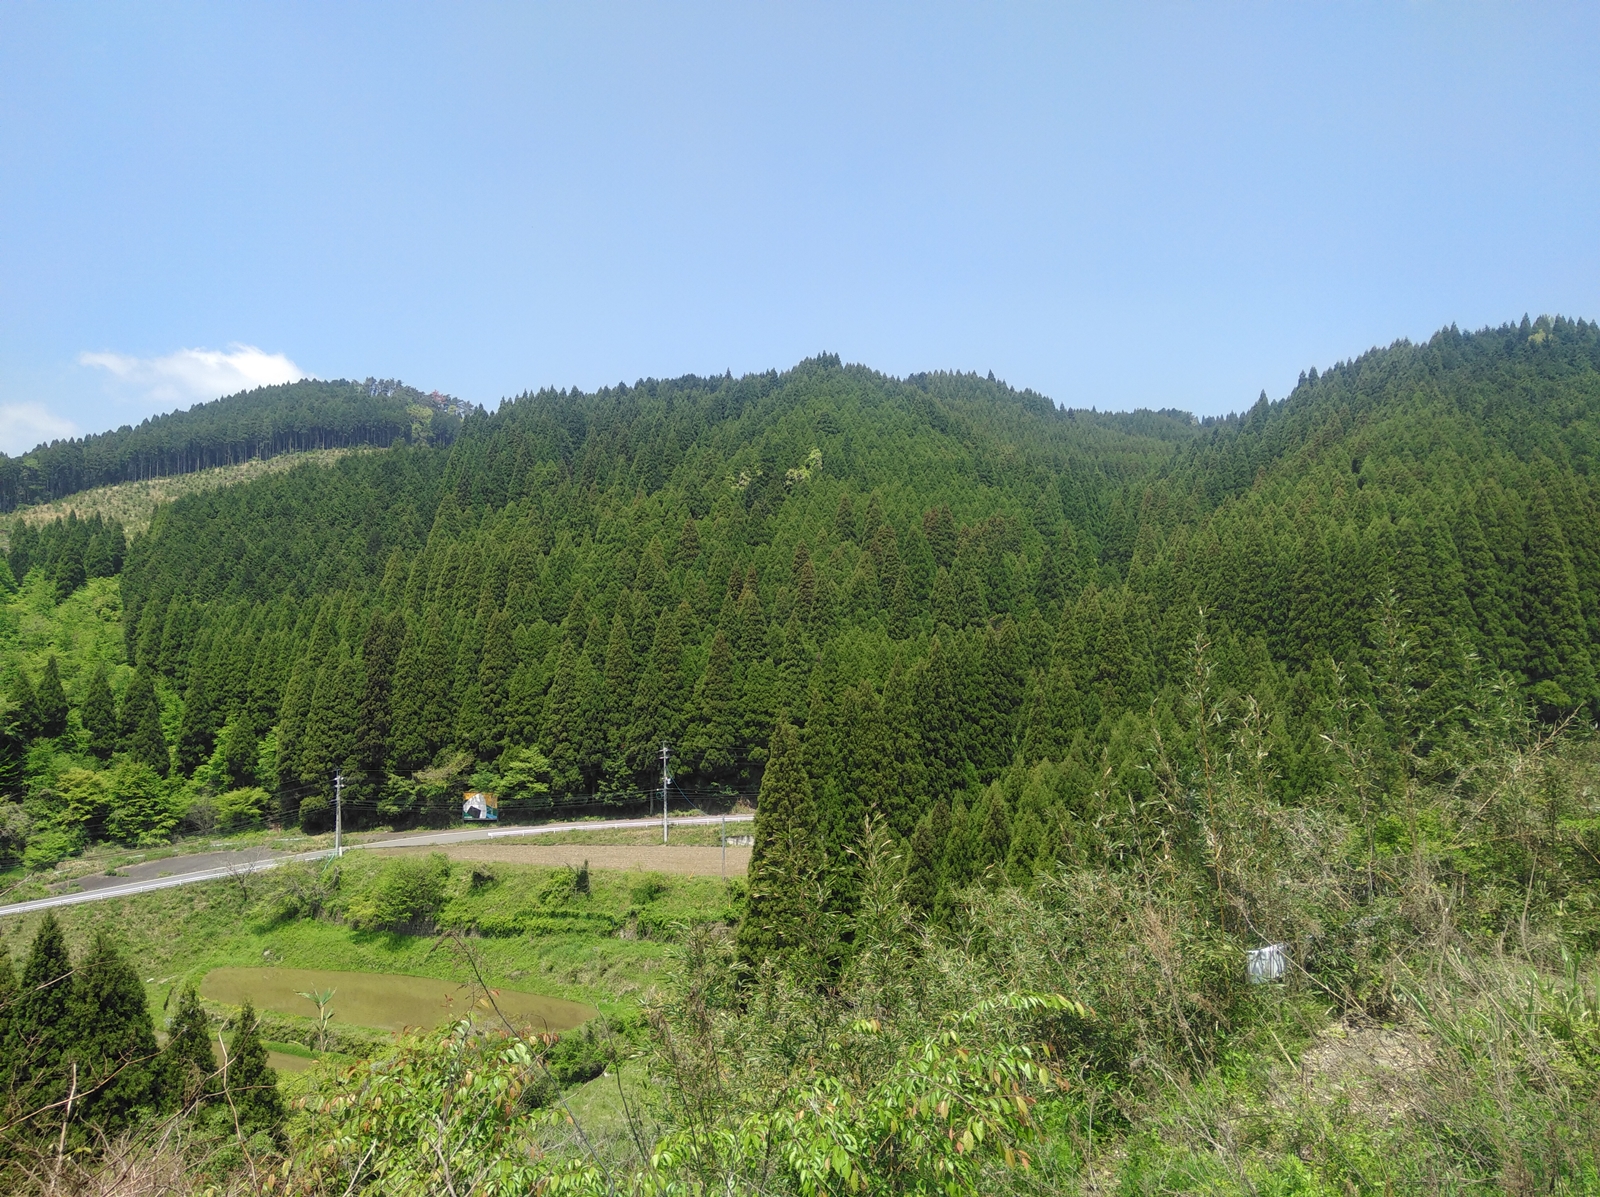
664, 780
338, 813
724, 845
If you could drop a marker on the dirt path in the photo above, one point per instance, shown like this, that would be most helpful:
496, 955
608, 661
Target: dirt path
670, 858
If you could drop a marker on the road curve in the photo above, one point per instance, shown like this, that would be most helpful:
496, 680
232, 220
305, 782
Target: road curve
420, 839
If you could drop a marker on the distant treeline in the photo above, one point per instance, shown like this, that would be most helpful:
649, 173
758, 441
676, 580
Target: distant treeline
265, 422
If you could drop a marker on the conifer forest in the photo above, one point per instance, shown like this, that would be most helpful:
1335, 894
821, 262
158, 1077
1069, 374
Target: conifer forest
1143, 803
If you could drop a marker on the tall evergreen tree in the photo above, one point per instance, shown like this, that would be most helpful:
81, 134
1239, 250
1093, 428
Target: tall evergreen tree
922, 860
112, 1040
23, 717
332, 732
662, 691
9, 991
249, 1082
780, 921
234, 761
408, 742
188, 1062
712, 741
99, 714
197, 730
379, 648
495, 671
50, 700
141, 737
993, 841
41, 1027
939, 529
619, 684
1558, 662
943, 737
563, 722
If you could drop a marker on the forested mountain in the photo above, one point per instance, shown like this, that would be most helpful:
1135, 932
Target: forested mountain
1069, 733
265, 422
933, 579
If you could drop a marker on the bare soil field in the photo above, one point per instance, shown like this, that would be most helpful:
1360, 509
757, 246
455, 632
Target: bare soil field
659, 858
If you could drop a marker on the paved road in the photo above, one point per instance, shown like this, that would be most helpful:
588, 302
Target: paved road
218, 866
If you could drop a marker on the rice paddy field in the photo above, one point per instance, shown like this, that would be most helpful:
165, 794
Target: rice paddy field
555, 945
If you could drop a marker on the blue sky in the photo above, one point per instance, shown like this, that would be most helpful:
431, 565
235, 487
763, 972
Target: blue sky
1117, 205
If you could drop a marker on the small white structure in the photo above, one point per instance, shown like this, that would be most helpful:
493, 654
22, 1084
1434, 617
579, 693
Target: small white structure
1267, 964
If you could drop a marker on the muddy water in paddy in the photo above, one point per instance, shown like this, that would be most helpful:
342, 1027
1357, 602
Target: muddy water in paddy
390, 1001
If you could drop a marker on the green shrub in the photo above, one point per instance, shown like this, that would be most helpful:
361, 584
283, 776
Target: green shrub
143, 811
407, 895
15, 827
295, 891
49, 845
316, 814
580, 1056
242, 808
648, 888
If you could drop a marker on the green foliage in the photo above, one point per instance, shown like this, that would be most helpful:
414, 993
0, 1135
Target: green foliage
581, 1055
248, 1084
189, 1073
267, 421
409, 893
384, 1122
41, 1030
143, 811
239, 809
524, 777
113, 1042
1120, 696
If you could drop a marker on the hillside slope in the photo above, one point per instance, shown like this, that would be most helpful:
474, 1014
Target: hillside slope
258, 424
1136, 711
933, 577
132, 504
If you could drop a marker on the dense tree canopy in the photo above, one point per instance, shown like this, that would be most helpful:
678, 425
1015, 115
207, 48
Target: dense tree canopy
935, 581
264, 422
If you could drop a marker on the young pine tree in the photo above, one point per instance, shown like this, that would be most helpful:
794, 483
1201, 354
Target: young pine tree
188, 1064
99, 714
113, 1041
50, 700
785, 866
248, 1081
41, 1030
141, 723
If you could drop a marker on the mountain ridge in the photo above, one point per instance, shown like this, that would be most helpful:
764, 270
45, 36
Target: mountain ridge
251, 425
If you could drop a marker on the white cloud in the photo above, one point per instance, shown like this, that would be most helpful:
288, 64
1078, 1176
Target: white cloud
197, 374
24, 425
